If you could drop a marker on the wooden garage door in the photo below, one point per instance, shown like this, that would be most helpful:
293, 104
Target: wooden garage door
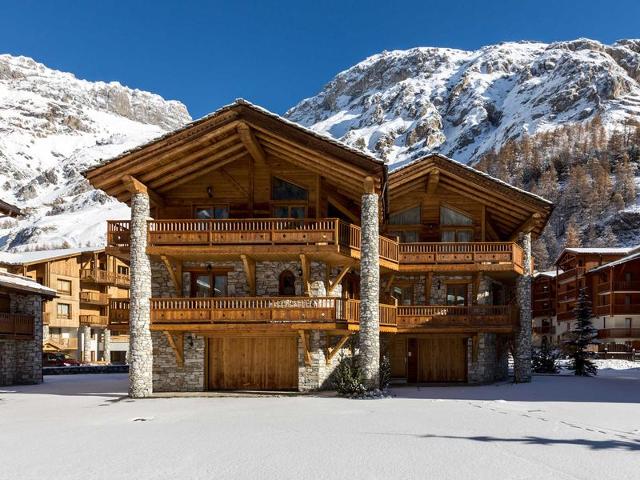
253, 363
442, 359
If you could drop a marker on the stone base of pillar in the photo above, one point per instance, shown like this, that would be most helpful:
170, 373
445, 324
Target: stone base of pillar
86, 345
106, 346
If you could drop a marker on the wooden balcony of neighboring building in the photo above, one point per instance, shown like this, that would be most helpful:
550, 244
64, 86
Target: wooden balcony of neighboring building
566, 315
94, 320
618, 309
325, 239
448, 318
619, 333
619, 287
61, 321
94, 298
570, 275
103, 277
544, 330
70, 343
543, 311
16, 326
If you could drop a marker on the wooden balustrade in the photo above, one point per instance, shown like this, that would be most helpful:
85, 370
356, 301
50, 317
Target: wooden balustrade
119, 312
619, 286
104, 277
618, 309
456, 253
119, 233
442, 316
619, 333
94, 320
16, 325
96, 298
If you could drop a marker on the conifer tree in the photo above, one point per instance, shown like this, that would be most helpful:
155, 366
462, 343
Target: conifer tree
581, 335
572, 238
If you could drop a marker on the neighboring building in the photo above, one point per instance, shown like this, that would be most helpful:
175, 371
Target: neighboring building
8, 210
607, 273
21, 302
263, 258
86, 280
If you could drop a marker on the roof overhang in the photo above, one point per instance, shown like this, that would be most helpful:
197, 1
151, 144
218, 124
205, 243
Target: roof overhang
6, 209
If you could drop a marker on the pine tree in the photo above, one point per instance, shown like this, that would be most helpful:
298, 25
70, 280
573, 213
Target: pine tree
572, 238
581, 335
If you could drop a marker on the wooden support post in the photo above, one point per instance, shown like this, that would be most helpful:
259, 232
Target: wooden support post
135, 186
176, 276
251, 143
483, 221
389, 284
304, 262
433, 181
249, 265
332, 351
338, 279
176, 340
477, 278
305, 347
427, 288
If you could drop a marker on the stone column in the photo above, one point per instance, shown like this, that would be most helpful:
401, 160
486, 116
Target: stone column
522, 354
369, 338
106, 335
86, 344
140, 347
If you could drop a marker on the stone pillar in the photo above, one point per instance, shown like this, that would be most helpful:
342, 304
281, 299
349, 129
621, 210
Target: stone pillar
86, 344
522, 354
369, 338
106, 335
140, 346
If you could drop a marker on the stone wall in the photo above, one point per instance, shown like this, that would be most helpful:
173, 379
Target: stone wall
490, 362
317, 375
168, 376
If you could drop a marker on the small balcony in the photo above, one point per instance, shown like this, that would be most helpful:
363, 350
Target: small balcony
16, 326
622, 333
618, 309
619, 287
94, 320
94, 298
103, 277
443, 318
570, 275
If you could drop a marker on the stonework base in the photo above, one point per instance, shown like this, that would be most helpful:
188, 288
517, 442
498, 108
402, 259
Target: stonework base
490, 361
168, 376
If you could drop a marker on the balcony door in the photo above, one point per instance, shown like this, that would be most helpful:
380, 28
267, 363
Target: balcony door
208, 284
457, 294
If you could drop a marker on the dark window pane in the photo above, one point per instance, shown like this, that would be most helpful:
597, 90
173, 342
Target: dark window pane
221, 212
282, 190
297, 212
204, 213
406, 217
203, 286
453, 217
281, 212
220, 286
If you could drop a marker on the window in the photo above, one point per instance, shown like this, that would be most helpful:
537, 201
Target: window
283, 190
210, 212
406, 217
287, 284
208, 284
455, 226
449, 216
457, 294
404, 294
64, 286
289, 211
122, 270
64, 310
407, 236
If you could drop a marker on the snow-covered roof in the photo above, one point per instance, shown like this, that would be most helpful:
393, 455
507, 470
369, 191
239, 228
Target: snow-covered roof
548, 273
628, 258
598, 251
26, 258
26, 284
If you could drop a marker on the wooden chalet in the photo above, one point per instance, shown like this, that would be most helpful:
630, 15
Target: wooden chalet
87, 282
247, 248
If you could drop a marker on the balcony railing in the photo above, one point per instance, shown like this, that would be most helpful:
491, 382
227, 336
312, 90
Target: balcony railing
618, 309
119, 313
619, 286
443, 316
16, 325
619, 333
104, 277
457, 253
570, 275
95, 298
94, 320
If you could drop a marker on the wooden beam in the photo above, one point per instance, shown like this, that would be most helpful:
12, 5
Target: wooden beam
199, 173
433, 181
249, 265
483, 221
176, 277
526, 227
305, 347
251, 143
331, 351
369, 185
176, 341
427, 288
336, 282
491, 231
135, 186
343, 209
318, 197
389, 284
477, 278
304, 262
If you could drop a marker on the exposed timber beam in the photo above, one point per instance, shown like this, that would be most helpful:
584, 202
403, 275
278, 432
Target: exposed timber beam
134, 185
249, 265
526, 227
343, 209
175, 271
176, 341
338, 279
432, 183
332, 351
305, 347
304, 262
251, 143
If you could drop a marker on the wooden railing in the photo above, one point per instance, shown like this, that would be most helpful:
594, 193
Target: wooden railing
94, 297
386, 316
119, 233
455, 253
119, 312
619, 286
442, 316
570, 275
16, 325
102, 276
618, 309
619, 333
94, 320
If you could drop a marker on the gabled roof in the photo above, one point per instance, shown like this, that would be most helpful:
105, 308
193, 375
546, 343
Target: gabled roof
547, 274
25, 284
8, 209
629, 258
235, 131
615, 251
39, 256
511, 208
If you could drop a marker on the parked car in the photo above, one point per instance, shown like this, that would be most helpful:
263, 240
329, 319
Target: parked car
58, 359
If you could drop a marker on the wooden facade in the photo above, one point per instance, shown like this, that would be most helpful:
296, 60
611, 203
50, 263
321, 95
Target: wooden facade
242, 190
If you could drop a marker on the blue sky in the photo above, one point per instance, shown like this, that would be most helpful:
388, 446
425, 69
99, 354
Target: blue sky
207, 53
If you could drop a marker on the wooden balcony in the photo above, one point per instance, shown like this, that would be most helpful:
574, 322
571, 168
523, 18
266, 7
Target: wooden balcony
619, 287
543, 330
619, 333
234, 237
445, 318
94, 320
570, 275
618, 309
16, 325
119, 313
472, 256
94, 298
103, 277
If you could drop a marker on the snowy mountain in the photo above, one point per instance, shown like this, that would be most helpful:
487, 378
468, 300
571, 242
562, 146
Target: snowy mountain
52, 127
400, 105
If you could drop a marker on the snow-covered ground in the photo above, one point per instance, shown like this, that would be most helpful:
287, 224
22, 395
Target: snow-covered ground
558, 427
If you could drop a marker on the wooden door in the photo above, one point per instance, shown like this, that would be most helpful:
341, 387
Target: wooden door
398, 357
442, 359
253, 363
412, 360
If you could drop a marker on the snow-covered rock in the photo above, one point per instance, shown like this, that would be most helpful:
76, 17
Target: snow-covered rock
52, 127
401, 105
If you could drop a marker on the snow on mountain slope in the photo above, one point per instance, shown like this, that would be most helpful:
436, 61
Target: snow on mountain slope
401, 105
52, 127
